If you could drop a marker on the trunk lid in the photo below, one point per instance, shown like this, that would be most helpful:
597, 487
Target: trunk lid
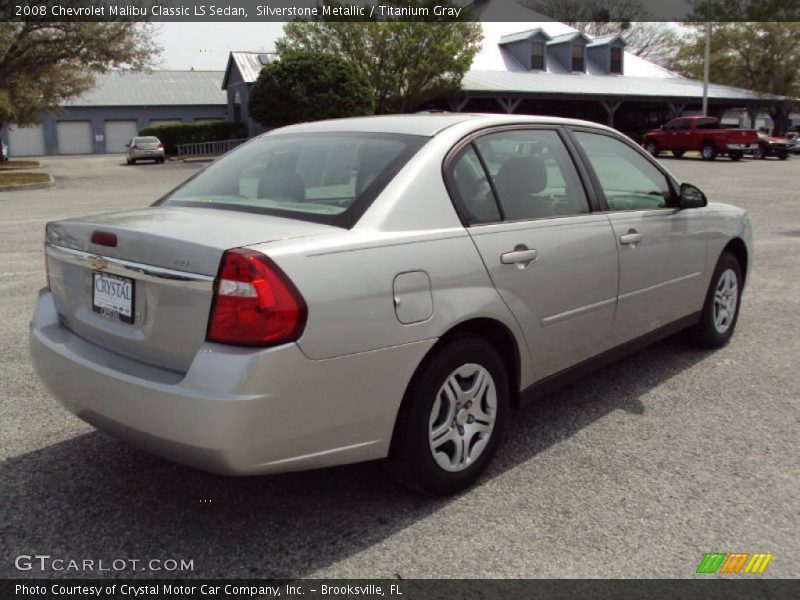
165, 261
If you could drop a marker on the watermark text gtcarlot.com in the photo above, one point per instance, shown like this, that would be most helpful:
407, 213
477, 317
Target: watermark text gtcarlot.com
48, 563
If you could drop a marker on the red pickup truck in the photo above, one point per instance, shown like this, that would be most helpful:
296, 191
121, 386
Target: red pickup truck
700, 133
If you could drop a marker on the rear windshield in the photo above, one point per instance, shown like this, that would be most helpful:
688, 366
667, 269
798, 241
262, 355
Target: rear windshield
146, 140
326, 178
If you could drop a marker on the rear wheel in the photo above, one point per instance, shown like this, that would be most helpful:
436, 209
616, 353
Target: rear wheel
651, 148
721, 308
783, 156
735, 155
452, 418
708, 151
760, 152
677, 153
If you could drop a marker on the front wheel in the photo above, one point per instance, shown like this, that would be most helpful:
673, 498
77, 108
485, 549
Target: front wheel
453, 415
735, 155
783, 156
721, 308
651, 148
677, 153
759, 152
708, 151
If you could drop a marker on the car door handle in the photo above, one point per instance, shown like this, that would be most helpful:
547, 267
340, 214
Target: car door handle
518, 256
632, 237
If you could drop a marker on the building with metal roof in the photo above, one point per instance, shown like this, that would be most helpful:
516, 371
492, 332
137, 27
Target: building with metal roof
103, 119
240, 73
546, 67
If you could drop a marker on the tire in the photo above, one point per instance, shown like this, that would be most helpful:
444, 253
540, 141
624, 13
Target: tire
132, 161
714, 330
708, 151
783, 156
128, 160
760, 152
651, 148
475, 422
735, 156
678, 153
160, 161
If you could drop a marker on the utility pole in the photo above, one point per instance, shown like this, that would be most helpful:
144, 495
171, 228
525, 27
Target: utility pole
707, 61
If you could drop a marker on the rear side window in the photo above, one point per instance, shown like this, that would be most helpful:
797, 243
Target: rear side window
707, 124
629, 180
327, 178
532, 174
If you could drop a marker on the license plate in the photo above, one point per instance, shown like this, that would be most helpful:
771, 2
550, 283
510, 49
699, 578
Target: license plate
148, 153
112, 297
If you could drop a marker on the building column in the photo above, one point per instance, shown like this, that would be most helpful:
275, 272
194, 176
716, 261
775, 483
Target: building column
509, 104
611, 107
676, 108
458, 104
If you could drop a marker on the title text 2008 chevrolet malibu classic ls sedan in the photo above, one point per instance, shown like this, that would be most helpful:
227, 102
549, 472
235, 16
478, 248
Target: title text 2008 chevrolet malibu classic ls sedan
379, 287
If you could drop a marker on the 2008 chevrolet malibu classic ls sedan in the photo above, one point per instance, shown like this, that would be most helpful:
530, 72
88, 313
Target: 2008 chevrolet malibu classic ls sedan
386, 287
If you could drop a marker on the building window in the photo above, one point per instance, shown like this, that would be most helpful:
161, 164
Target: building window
537, 56
616, 60
577, 58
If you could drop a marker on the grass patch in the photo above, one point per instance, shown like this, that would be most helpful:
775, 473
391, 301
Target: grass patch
19, 164
22, 178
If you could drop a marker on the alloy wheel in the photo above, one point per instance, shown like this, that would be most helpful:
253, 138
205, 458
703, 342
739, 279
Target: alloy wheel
462, 417
726, 297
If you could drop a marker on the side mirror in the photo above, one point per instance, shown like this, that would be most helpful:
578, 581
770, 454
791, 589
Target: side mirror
127, 145
692, 197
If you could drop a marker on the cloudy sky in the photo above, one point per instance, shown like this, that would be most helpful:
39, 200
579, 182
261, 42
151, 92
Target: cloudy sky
205, 46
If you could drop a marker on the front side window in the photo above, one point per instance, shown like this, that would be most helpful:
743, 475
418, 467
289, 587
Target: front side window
537, 56
533, 174
577, 57
628, 179
707, 124
322, 177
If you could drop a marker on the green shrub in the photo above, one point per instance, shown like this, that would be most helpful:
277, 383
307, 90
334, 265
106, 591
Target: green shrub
172, 134
309, 86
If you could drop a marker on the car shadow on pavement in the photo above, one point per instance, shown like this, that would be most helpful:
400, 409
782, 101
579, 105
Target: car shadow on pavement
95, 497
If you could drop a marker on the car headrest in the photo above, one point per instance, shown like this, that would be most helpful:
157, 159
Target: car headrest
522, 175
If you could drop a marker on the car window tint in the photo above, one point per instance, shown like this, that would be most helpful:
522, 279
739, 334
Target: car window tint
474, 191
628, 179
318, 177
533, 174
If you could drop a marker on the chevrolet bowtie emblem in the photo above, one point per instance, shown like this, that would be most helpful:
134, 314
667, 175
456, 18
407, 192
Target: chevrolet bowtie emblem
98, 262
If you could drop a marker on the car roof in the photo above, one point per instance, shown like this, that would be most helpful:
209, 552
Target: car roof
423, 124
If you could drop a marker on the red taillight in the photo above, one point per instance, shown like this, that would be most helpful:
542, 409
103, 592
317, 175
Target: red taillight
160, 146
134, 147
104, 238
255, 303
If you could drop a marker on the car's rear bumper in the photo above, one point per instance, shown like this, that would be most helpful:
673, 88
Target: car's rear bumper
237, 410
147, 154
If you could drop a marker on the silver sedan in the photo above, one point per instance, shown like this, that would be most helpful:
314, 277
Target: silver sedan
146, 147
379, 288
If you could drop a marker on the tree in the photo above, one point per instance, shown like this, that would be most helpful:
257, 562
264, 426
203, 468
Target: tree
309, 87
407, 63
44, 64
761, 56
648, 39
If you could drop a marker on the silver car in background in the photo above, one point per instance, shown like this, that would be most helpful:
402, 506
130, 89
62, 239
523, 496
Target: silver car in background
387, 287
147, 147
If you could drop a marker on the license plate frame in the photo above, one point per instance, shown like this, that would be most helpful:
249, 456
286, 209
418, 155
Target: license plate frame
121, 312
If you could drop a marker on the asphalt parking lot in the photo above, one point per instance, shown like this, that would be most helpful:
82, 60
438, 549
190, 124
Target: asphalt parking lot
636, 471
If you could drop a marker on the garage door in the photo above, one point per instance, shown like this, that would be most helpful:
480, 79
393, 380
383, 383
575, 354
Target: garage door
74, 137
25, 141
118, 133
